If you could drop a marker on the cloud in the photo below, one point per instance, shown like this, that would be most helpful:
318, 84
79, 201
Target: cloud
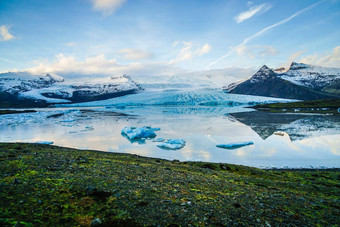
293, 58
135, 54
327, 59
99, 65
259, 33
254, 10
107, 7
5, 35
204, 49
71, 44
188, 51
256, 51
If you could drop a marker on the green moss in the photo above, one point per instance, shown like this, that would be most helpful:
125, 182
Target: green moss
45, 185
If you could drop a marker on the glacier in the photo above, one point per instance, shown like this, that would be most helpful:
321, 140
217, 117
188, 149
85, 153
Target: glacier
177, 97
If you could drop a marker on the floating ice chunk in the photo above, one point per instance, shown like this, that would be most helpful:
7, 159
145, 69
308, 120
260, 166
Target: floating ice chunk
152, 129
234, 145
172, 144
68, 120
44, 142
158, 140
133, 133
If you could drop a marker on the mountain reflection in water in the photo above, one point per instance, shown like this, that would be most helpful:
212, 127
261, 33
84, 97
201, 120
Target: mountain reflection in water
297, 126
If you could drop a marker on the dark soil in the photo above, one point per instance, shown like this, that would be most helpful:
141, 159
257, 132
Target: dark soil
42, 185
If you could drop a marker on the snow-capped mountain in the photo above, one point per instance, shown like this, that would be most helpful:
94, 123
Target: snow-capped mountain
301, 81
52, 88
312, 76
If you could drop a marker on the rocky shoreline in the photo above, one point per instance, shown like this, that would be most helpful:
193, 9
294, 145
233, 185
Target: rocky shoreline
43, 185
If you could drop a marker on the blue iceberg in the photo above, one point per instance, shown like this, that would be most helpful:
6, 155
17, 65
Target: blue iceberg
134, 133
44, 142
234, 145
172, 144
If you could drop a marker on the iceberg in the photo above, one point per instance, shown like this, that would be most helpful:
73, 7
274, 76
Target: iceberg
234, 145
157, 140
133, 133
172, 144
44, 142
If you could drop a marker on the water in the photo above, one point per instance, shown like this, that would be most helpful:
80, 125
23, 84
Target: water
308, 141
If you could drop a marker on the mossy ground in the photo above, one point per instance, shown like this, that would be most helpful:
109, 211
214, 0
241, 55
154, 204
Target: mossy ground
323, 106
44, 185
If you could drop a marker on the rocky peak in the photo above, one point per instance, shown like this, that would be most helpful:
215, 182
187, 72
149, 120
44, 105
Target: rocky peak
264, 73
297, 66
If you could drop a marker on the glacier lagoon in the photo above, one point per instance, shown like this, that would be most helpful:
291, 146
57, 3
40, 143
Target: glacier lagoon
280, 140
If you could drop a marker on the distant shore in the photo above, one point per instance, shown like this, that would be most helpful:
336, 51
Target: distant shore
324, 106
49, 185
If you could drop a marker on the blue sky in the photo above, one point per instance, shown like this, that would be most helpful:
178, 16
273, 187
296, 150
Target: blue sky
160, 37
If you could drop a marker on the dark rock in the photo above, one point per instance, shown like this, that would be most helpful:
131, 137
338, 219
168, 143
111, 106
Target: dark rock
209, 166
237, 205
142, 203
96, 222
225, 167
90, 190
16, 181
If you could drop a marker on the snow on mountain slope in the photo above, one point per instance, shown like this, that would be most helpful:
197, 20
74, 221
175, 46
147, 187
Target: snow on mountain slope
195, 97
54, 89
213, 78
312, 76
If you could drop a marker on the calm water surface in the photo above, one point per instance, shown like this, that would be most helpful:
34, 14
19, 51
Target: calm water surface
308, 141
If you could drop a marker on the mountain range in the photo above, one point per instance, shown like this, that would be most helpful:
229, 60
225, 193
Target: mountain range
24, 89
300, 81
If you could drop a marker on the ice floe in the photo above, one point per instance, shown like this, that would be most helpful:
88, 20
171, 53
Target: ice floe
44, 142
172, 144
234, 145
157, 140
133, 133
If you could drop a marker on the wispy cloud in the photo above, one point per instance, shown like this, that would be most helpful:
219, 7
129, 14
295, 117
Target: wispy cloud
99, 65
203, 50
254, 10
5, 35
107, 7
256, 51
71, 44
293, 58
188, 51
327, 59
135, 54
259, 33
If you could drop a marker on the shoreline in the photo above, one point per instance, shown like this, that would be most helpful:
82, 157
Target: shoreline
179, 161
52, 186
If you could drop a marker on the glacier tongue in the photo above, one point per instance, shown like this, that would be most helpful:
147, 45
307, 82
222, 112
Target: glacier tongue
201, 97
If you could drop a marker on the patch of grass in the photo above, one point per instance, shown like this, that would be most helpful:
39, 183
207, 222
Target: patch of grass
313, 106
44, 185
